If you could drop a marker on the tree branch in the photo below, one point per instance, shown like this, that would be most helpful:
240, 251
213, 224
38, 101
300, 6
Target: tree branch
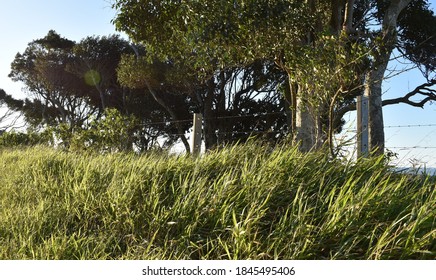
424, 89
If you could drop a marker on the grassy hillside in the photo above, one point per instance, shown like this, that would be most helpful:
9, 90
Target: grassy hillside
245, 202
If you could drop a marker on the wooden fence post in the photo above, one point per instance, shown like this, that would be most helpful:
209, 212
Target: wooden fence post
196, 134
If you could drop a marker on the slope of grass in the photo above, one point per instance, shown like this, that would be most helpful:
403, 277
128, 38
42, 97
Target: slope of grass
243, 202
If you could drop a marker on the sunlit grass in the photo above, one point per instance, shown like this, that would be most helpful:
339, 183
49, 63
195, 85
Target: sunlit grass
243, 202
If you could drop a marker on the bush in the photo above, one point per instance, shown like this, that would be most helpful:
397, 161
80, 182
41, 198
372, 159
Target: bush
30, 138
112, 133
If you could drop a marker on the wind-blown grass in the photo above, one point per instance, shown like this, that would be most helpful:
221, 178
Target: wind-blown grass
243, 202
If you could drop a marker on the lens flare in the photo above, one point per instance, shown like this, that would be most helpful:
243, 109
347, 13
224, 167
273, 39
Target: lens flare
92, 77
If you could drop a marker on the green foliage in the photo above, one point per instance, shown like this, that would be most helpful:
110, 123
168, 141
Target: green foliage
197, 32
132, 71
326, 47
243, 202
9, 101
29, 138
417, 36
138, 72
113, 132
213, 36
332, 64
72, 82
207, 33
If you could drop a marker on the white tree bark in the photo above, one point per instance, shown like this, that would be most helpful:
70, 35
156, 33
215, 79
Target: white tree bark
305, 126
308, 131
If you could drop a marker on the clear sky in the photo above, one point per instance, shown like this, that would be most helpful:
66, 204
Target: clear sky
22, 21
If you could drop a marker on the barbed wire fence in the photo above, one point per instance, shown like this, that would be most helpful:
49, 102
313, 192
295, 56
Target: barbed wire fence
416, 154
420, 154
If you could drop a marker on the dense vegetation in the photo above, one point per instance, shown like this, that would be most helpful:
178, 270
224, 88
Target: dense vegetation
89, 178
276, 69
241, 202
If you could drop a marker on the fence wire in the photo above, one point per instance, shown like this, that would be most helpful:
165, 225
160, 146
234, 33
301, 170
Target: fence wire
351, 131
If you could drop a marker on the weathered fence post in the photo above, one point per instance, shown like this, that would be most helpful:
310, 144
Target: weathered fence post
362, 126
196, 134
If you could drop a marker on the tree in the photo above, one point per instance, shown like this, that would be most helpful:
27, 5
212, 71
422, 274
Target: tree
241, 102
418, 47
287, 32
327, 48
95, 61
158, 80
9, 111
71, 85
56, 93
407, 27
223, 99
384, 43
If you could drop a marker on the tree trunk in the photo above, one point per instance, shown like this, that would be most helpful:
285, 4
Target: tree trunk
305, 130
287, 96
100, 91
180, 129
222, 124
210, 138
348, 17
373, 81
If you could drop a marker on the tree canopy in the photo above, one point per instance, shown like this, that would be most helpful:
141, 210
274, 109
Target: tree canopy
213, 32
256, 67
72, 84
330, 50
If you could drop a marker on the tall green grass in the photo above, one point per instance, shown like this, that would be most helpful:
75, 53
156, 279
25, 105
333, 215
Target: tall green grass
242, 202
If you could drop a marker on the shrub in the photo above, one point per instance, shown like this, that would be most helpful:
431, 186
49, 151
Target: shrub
111, 133
29, 138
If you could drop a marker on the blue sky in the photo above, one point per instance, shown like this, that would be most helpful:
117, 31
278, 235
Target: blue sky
22, 21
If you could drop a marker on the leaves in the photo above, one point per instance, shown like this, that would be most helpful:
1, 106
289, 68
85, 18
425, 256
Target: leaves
229, 32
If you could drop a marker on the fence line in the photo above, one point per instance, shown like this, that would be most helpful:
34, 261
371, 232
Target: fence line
166, 122
216, 118
282, 113
278, 113
412, 147
410, 125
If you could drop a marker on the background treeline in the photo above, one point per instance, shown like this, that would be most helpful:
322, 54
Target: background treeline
284, 68
105, 85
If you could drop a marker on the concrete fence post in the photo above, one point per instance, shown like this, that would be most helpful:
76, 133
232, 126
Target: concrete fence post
196, 134
362, 126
